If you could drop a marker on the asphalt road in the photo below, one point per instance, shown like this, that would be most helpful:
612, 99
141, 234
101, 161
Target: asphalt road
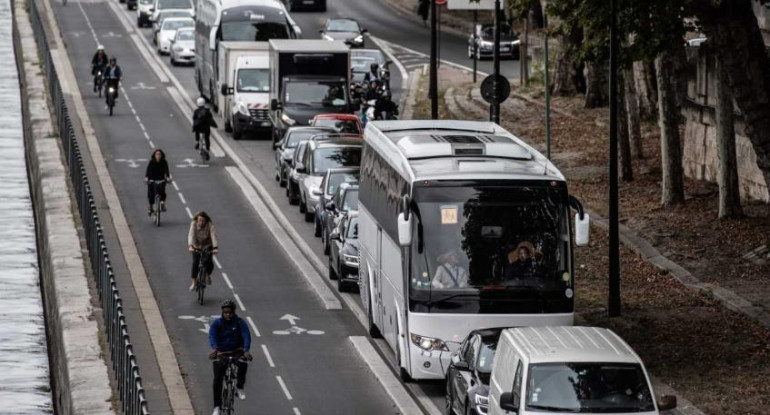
309, 372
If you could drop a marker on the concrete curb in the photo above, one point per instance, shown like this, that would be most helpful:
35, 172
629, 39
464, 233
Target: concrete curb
80, 375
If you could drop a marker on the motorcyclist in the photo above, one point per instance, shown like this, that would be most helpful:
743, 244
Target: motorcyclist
98, 62
371, 93
373, 74
202, 123
112, 76
385, 105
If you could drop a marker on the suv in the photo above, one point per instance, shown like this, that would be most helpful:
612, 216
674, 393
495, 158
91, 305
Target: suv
294, 175
284, 149
344, 257
345, 199
319, 157
331, 182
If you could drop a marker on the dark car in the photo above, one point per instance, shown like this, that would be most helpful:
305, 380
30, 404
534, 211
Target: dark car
345, 199
284, 151
346, 30
295, 176
331, 182
361, 61
294, 5
321, 156
483, 37
467, 378
343, 261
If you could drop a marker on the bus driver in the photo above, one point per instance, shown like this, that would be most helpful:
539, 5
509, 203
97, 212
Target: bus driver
449, 273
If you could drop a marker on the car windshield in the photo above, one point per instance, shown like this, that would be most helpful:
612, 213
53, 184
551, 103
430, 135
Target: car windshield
296, 137
174, 4
340, 126
248, 31
146, 2
368, 53
327, 94
491, 249
336, 179
486, 355
176, 24
253, 80
182, 35
353, 229
342, 26
351, 200
326, 158
488, 32
588, 387
362, 63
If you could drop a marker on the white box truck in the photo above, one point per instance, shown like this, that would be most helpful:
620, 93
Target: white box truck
244, 87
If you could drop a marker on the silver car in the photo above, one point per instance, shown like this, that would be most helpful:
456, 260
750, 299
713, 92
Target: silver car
319, 157
284, 150
168, 31
183, 47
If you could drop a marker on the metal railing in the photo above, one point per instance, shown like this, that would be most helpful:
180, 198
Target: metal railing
129, 382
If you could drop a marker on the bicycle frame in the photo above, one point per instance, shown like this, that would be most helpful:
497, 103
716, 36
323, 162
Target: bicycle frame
231, 359
156, 184
201, 277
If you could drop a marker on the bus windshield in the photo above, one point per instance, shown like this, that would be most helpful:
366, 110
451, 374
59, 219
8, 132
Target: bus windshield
490, 249
254, 31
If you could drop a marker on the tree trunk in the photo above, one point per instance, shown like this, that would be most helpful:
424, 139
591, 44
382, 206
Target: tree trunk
729, 193
524, 67
564, 76
632, 109
647, 90
734, 34
624, 147
595, 95
668, 117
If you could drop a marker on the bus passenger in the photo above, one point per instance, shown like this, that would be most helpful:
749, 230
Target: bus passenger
522, 263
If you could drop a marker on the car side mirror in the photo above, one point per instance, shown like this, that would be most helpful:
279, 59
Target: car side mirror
316, 192
330, 206
582, 222
460, 364
275, 105
667, 403
224, 89
335, 235
404, 229
508, 403
300, 168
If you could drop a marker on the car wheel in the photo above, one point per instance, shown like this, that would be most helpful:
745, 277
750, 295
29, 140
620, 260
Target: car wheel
317, 231
302, 207
228, 126
332, 272
173, 61
138, 22
309, 215
341, 285
237, 135
449, 400
281, 174
327, 244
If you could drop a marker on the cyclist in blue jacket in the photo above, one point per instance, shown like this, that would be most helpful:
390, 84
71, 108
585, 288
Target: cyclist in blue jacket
229, 334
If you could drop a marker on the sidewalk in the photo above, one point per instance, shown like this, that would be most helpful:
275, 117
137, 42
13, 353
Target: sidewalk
684, 335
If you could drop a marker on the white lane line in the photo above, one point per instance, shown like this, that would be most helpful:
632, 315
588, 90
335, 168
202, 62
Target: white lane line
216, 262
394, 388
181, 197
188, 212
297, 412
253, 326
139, 120
227, 280
267, 356
312, 277
240, 303
146, 135
285, 389
176, 187
152, 144
143, 129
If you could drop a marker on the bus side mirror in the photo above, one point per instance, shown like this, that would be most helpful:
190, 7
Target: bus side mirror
404, 229
213, 38
582, 229
275, 105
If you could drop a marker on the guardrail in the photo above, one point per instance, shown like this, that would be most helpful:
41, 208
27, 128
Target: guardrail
129, 382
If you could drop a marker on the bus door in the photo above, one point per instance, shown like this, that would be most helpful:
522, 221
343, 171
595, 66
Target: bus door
377, 307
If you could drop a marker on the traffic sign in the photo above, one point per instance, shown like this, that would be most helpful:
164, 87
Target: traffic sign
468, 5
488, 89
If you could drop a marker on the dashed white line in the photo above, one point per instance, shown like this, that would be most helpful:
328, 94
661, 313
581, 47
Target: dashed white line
285, 389
297, 412
152, 144
188, 212
227, 280
139, 120
175, 186
181, 197
216, 262
240, 303
267, 356
253, 326
143, 129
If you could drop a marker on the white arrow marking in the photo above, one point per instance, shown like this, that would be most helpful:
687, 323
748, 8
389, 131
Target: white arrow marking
292, 319
141, 85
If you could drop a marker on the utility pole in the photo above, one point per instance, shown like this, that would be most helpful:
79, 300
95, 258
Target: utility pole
614, 254
433, 90
547, 91
494, 108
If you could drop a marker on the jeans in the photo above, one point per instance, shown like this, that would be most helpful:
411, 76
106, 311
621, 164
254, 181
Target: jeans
220, 367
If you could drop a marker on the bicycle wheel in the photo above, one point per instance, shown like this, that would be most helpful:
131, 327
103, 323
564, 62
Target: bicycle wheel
201, 285
157, 210
228, 392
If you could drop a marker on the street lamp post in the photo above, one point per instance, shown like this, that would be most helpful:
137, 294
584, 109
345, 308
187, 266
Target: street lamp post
494, 108
433, 90
614, 242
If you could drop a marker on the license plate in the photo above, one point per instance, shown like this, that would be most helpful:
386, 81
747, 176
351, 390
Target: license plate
505, 49
308, 2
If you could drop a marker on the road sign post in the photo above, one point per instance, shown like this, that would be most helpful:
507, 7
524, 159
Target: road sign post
467, 5
433, 90
494, 108
614, 242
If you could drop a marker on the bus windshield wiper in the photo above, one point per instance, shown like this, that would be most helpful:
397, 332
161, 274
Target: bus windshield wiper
453, 296
552, 408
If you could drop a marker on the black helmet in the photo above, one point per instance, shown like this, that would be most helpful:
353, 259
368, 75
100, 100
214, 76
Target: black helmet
374, 67
228, 304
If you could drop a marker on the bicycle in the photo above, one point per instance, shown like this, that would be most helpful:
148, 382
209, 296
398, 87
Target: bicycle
111, 93
202, 150
98, 82
201, 277
231, 359
156, 206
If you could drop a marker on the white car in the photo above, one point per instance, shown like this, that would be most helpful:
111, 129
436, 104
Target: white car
143, 13
183, 47
168, 31
163, 5
160, 17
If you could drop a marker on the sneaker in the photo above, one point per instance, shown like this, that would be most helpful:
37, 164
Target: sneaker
208, 279
240, 393
162, 206
192, 286
216, 411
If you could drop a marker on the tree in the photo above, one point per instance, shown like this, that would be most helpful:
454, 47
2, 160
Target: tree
727, 177
632, 111
672, 182
624, 146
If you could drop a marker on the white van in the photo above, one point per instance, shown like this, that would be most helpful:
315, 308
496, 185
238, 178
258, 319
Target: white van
553, 370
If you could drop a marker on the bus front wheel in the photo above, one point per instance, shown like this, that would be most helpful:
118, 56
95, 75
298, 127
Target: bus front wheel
373, 330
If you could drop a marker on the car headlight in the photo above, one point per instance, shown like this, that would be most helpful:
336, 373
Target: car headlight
429, 343
287, 119
241, 108
327, 37
482, 400
486, 45
315, 192
350, 260
358, 39
287, 155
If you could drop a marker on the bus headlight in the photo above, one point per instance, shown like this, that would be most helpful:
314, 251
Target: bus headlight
428, 343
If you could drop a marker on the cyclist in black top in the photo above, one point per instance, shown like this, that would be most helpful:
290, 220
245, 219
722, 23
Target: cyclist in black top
157, 170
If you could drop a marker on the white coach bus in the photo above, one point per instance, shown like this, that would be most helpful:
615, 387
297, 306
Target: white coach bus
234, 20
461, 226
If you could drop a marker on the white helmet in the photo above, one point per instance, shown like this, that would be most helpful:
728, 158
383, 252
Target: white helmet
100, 47
200, 101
